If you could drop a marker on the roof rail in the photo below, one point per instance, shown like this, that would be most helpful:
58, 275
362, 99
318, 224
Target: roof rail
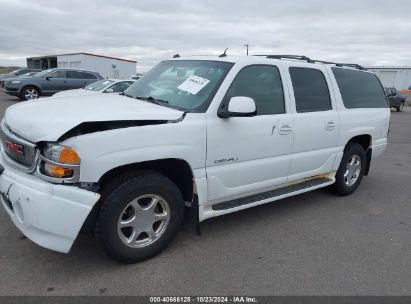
297, 57
307, 59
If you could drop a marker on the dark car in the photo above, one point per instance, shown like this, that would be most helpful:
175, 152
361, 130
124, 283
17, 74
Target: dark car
395, 98
49, 82
18, 72
3, 80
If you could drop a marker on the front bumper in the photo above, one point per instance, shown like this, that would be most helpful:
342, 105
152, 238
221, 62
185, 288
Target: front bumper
11, 91
48, 214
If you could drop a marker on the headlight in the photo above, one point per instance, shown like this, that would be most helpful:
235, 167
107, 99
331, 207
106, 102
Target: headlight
16, 81
63, 161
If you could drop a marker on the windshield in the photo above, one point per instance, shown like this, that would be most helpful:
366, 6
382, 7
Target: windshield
99, 85
44, 73
183, 84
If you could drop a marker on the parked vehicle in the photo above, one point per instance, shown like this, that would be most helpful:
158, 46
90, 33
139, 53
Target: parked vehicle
18, 72
195, 137
136, 77
101, 86
396, 98
49, 82
3, 80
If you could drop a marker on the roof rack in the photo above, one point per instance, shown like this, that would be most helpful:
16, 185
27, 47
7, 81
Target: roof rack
307, 59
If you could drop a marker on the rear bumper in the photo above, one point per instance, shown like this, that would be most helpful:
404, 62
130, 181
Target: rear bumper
50, 215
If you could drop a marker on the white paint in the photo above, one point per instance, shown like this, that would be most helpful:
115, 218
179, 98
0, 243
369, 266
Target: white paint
230, 157
241, 104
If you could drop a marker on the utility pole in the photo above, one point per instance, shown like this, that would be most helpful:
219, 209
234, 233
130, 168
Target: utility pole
246, 45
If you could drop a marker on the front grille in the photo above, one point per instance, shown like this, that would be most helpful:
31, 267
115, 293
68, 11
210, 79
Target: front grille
18, 149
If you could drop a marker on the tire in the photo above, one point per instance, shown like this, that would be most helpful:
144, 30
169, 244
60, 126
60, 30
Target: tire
30, 93
400, 107
344, 185
154, 224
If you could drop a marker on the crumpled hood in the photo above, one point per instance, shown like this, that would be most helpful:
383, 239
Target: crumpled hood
46, 119
75, 92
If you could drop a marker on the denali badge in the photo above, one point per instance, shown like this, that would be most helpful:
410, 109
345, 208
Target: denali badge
13, 148
226, 160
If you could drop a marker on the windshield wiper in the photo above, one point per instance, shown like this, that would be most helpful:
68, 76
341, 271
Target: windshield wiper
152, 100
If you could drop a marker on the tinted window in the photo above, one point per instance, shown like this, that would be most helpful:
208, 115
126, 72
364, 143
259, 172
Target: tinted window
80, 75
88, 75
263, 84
310, 90
57, 74
120, 86
360, 89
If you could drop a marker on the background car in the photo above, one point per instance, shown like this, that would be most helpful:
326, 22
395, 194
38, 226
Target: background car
395, 98
49, 82
3, 80
18, 72
101, 86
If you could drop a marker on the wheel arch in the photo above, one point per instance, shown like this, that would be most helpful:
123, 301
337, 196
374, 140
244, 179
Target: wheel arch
177, 170
365, 140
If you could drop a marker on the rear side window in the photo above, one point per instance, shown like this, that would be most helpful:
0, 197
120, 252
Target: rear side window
80, 75
263, 84
310, 90
359, 89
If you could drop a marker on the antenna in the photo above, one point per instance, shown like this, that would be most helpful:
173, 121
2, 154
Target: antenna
224, 54
247, 45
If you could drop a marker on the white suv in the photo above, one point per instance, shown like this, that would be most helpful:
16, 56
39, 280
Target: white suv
196, 137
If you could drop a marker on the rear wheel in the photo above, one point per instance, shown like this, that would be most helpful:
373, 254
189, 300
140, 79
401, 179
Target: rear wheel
139, 217
30, 93
351, 170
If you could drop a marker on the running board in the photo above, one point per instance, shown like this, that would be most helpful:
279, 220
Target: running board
271, 194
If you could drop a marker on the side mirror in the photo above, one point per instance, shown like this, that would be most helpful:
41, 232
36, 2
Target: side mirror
47, 77
239, 106
109, 90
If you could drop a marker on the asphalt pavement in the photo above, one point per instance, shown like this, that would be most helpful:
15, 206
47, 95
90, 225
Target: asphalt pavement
312, 244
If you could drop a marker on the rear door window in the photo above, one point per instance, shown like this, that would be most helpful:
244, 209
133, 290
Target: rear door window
360, 89
310, 90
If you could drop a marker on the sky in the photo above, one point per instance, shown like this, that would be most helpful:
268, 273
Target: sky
368, 32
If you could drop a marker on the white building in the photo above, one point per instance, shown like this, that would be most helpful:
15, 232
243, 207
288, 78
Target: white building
108, 67
398, 77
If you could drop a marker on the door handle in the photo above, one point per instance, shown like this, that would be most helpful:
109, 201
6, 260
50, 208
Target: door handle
285, 129
330, 125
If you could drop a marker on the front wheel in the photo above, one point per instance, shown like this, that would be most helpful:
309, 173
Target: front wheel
139, 217
30, 93
351, 170
400, 108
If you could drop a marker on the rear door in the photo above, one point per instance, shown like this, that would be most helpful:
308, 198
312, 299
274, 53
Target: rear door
316, 121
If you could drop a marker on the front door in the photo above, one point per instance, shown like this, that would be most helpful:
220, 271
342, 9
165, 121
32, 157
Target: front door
54, 82
248, 155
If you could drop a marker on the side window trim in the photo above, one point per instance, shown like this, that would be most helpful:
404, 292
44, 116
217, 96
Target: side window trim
330, 88
284, 87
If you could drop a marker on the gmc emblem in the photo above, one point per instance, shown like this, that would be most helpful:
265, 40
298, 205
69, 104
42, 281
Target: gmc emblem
13, 148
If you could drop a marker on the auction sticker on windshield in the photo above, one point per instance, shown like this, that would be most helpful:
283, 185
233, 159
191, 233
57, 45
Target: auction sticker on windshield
193, 84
